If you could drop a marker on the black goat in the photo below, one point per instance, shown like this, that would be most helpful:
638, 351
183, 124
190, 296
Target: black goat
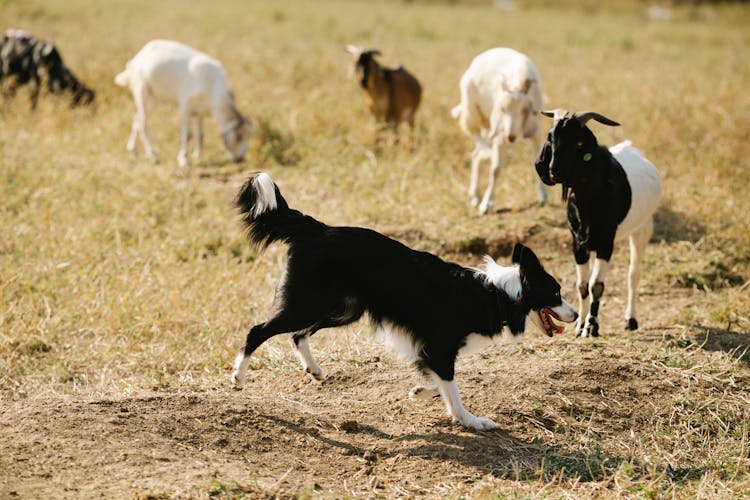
30, 59
611, 194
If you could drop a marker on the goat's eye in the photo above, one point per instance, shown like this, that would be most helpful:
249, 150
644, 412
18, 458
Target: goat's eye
579, 144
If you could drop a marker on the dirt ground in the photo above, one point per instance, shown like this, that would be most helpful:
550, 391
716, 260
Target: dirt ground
358, 432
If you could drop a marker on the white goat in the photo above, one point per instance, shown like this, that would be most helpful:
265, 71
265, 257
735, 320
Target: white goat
169, 70
501, 96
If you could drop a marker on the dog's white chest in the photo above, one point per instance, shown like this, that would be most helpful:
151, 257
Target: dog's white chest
399, 341
476, 342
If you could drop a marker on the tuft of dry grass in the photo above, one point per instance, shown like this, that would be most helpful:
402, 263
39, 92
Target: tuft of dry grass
118, 276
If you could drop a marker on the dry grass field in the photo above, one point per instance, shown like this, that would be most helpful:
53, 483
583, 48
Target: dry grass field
126, 288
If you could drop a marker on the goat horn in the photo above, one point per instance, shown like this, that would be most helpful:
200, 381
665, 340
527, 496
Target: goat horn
555, 113
588, 115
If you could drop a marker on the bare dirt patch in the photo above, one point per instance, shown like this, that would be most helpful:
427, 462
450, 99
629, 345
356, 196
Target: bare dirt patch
358, 433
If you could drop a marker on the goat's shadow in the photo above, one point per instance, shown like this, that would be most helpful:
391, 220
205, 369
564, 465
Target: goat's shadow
714, 339
671, 226
490, 452
225, 170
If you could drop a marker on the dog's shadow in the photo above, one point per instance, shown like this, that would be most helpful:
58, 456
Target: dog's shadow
491, 452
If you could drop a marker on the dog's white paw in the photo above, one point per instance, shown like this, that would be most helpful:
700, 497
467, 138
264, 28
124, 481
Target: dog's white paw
238, 381
317, 373
476, 423
422, 392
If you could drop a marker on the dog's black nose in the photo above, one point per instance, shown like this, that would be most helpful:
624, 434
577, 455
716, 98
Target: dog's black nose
575, 316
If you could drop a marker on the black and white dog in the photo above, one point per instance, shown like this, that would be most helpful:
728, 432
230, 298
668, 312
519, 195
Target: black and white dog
429, 310
29, 59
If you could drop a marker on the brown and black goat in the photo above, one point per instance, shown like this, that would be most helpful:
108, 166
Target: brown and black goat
394, 93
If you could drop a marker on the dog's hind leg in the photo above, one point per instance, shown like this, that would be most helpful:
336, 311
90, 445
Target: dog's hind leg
348, 311
282, 323
302, 350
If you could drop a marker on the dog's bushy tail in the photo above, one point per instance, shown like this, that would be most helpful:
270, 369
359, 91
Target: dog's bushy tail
266, 215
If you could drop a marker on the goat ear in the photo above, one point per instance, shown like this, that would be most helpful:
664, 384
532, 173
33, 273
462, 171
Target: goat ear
555, 113
585, 116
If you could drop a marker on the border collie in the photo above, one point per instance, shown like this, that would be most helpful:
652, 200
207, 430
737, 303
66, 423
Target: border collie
429, 310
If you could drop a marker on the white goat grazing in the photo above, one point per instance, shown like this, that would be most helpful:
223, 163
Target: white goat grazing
501, 96
169, 70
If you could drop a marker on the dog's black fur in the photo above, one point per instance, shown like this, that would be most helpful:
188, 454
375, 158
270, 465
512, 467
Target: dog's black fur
30, 59
336, 274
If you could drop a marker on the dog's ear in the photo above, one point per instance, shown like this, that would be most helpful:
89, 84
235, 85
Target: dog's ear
517, 250
525, 258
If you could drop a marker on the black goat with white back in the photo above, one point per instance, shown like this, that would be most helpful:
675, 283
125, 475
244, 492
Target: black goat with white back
612, 194
29, 60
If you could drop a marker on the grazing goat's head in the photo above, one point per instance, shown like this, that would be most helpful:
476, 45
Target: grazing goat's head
516, 111
83, 95
237, 136
59, 77
570, 144
364, 62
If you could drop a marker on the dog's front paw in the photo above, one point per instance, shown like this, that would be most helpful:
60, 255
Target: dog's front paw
476, 423
237, 380
422, 392
317, 373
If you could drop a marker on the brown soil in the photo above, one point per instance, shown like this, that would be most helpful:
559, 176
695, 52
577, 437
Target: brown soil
355, 433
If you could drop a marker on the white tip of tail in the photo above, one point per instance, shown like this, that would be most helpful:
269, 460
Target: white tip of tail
266, 190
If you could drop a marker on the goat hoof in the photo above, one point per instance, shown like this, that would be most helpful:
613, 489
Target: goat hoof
591, 328
631, 324
579, 328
